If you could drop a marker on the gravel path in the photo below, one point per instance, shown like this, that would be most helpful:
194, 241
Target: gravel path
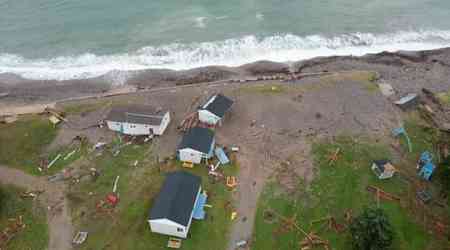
58, 214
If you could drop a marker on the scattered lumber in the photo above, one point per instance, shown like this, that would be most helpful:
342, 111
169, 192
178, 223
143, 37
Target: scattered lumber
174, 243
334, 157
291, 222
189, 122
15, 226
231, 181
331, 223
312, 241
380, 193
54, 161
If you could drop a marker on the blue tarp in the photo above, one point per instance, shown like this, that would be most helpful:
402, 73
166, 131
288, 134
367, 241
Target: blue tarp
222, 156
426, 165
199, 212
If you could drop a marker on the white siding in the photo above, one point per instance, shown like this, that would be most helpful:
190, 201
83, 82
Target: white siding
164, 123
140, 129
190, 155
129, 128
207, 117
168, 227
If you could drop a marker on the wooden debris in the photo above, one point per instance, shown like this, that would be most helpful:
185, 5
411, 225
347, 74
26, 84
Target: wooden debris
116, 181
15, 226
334, 157
54, 161
331, 223
174, 243
231, 181
70, 154
189, 122
31, 194
188, 164
313, 241
382, 194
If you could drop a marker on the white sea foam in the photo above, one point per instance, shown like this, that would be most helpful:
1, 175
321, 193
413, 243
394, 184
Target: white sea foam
231, 52
200, 22
259, 16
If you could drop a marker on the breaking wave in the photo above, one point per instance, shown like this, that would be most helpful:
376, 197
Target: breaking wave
231, 52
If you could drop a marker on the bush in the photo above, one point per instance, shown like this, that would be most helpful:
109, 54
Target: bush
444, 173
371, 230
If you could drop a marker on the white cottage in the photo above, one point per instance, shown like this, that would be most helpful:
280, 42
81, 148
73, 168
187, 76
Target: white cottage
197, 144
137, 120
173, 209
214, 110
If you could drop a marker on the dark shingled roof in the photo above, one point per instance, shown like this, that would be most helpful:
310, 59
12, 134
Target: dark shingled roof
219, 106
138, 114
197, 138
380, 164
176, 199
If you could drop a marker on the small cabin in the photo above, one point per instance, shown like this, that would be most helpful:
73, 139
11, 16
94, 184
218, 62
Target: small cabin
383, 169
138, 120
197, 144
173, 210
214, 110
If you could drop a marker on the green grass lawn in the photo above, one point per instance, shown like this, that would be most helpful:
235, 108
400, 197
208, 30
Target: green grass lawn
84, 107
35, 234
138, 186
335, 190
423, 138
22, 142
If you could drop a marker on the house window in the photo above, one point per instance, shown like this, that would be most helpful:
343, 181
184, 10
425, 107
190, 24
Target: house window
180, 230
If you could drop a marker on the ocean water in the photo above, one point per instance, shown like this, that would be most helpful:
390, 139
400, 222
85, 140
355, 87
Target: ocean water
68, 39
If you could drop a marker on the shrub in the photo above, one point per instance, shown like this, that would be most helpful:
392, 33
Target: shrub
371, 230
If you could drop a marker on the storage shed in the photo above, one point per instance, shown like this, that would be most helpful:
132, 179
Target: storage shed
172, 211
214, 110
197, 144
138, 120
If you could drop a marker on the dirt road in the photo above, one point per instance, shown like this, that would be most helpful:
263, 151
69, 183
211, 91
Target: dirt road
58, 215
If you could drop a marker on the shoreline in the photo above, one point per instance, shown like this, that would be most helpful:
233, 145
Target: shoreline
418, 66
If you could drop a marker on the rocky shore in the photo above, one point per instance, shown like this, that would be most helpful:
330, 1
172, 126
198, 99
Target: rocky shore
418, 68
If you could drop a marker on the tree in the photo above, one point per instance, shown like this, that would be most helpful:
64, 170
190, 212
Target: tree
371, 230
444, 173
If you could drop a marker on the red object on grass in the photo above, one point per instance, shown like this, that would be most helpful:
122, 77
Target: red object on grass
112, 199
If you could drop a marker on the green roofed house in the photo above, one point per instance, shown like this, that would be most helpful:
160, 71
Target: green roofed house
173, 210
